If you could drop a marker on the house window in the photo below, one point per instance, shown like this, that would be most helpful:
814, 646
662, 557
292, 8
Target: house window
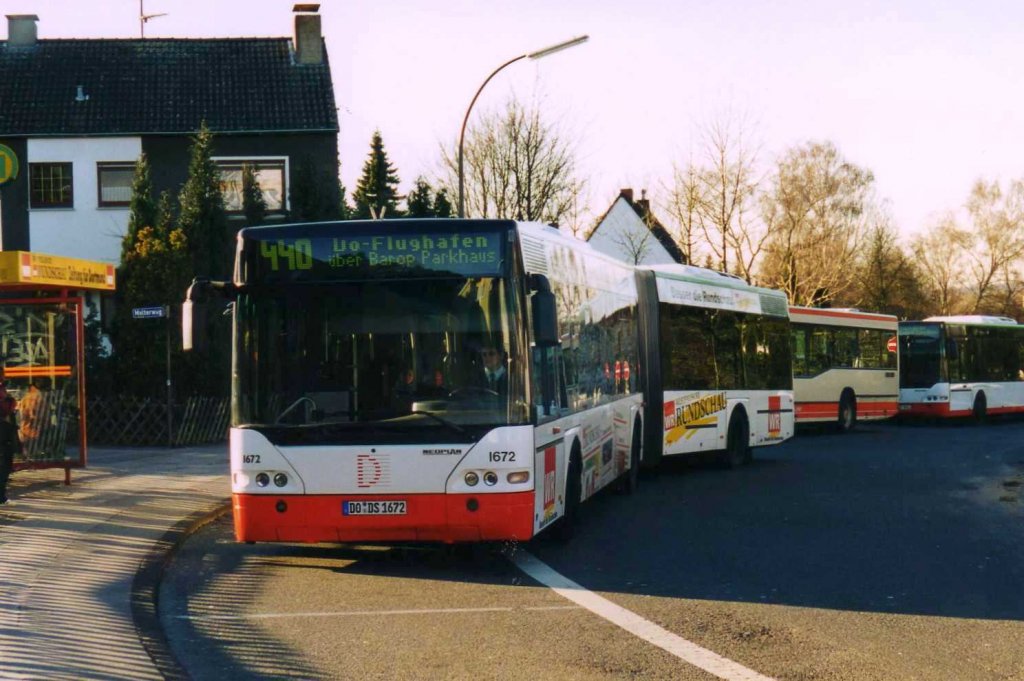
114, 184
50, 185
270, 174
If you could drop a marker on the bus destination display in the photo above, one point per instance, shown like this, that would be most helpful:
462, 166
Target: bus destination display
343, 257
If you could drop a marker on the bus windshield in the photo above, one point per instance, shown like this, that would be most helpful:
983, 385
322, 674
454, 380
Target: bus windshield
920, 354
414, 360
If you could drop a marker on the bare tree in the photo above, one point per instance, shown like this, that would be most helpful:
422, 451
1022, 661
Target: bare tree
517, 166
683, 206
727, 184
998, 222
815, 213
941, 253
635, 244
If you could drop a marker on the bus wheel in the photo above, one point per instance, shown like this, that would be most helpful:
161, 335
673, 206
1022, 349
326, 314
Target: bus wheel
737, 443
566, 527
980, 411
847, 412
629, 482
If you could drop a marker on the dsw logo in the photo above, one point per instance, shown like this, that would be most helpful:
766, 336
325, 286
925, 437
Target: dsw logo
369, 470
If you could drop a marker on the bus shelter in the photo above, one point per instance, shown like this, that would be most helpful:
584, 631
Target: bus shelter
42, 347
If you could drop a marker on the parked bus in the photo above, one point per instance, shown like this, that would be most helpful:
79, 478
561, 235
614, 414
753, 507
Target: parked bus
425, 380
968, 365
845, 366
715, 362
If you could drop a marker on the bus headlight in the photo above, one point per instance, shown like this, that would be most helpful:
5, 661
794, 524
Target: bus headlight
490, 478
518, 477
262, 479
280, 479
472, 478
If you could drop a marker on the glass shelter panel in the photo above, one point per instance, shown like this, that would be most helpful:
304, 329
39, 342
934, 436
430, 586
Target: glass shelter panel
38, 342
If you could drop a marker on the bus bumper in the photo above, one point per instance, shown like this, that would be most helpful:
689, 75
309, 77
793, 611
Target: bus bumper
928, 410
445, 518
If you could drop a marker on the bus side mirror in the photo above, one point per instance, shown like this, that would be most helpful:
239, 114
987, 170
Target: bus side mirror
545, 317
194, 315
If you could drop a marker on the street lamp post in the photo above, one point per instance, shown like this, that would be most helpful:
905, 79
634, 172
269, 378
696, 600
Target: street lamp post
529, 55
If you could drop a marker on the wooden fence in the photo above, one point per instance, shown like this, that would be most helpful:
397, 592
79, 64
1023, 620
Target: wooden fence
142, 421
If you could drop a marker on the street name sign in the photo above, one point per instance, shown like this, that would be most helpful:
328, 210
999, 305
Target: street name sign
149, 312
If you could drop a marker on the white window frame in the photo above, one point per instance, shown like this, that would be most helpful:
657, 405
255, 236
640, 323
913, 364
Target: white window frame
239, 160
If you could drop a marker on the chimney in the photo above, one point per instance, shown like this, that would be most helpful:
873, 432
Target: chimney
309, 45
21, 30
644, 205
626, 194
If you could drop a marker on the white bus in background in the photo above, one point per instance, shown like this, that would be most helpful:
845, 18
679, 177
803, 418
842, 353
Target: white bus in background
366, 401
967, 365
715, 364
845, 366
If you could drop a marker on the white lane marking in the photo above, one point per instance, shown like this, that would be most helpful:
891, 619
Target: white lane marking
370, 613
687, 651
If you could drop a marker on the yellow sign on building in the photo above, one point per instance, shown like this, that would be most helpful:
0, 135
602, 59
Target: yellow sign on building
25, 269
8, 164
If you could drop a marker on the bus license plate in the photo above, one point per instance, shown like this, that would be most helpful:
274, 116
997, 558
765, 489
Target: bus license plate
373, 508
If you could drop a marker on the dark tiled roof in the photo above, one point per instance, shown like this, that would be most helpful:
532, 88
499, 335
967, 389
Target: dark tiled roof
161, 86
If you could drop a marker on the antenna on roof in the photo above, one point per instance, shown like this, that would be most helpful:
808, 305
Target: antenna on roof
143, 18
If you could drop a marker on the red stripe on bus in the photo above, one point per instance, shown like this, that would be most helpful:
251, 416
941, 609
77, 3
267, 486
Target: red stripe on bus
842, 315
429, 518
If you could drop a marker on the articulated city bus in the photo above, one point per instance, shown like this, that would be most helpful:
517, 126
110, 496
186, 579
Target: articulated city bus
845, 366
967, 365
425, 380
715, 364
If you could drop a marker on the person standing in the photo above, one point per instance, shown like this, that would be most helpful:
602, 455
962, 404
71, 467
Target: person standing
8, 438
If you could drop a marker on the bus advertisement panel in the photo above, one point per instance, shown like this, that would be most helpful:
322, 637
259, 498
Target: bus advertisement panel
845, 366
965, 365
716, 364
425, 380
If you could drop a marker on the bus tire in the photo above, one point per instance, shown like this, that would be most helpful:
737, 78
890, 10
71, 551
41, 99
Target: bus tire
566, 527
737, 442
630, 481
980, 410
847, 411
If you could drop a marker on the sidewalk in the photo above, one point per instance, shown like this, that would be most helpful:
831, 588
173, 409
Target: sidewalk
75, 562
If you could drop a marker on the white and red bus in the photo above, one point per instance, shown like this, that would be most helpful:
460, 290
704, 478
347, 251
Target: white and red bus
715, 362
845, 366
425, 380
967, 365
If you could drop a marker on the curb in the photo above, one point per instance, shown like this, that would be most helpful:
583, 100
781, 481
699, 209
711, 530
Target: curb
145, 590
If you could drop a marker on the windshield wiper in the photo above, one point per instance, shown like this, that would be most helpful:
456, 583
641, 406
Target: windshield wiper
451, 424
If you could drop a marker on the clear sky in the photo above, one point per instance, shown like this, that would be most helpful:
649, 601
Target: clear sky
927, 95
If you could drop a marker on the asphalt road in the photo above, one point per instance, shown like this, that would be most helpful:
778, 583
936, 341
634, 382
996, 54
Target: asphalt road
892, 552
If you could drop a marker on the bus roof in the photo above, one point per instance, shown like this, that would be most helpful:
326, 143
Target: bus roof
974, 320
702, 275
839, 315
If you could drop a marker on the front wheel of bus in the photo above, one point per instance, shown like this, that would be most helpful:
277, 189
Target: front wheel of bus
566, 527
847, 412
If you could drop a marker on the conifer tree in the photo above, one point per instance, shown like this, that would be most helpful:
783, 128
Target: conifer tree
443, 208
202, 219
253, 204
377, 189
316, 193
141, 208
420, 202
